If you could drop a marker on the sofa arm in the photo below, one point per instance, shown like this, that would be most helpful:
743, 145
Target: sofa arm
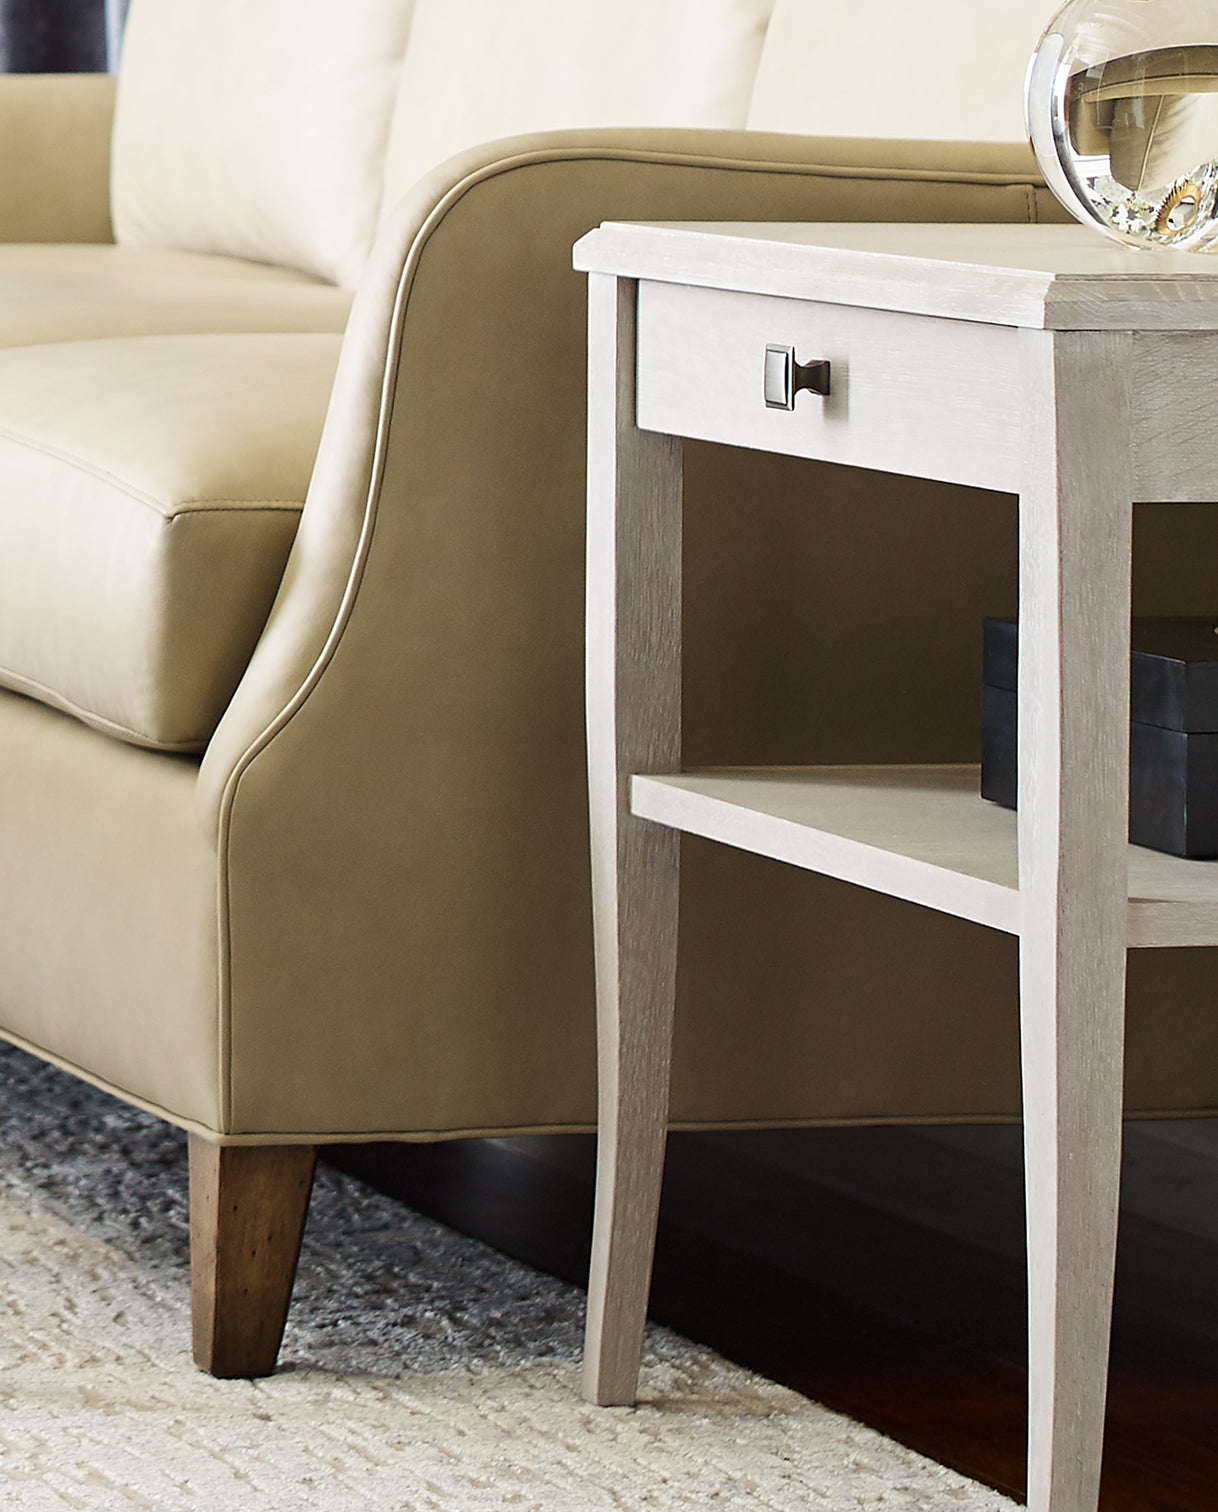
397, 787
55, 157
476, 266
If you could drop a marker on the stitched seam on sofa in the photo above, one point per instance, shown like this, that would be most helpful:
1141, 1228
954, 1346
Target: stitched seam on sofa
139, 495
23, 1042
504, 1131
231, 506
18, 682
810, 170
676, 157
572, 147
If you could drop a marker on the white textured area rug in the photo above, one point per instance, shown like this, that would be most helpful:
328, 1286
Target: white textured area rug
420, 1370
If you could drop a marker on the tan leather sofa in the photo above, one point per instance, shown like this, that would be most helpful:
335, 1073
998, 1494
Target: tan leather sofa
292, 806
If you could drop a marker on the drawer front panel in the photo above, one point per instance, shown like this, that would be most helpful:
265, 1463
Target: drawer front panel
908, 393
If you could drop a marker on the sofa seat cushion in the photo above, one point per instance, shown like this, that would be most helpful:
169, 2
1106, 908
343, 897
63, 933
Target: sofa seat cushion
75, 292
150, 489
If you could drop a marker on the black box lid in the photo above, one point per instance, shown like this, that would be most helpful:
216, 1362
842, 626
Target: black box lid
1173, 670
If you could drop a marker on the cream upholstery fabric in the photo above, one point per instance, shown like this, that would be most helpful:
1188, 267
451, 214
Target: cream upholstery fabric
76, 293
55, 157
109, 950
257, 130
477, 70
945, 70
150, 489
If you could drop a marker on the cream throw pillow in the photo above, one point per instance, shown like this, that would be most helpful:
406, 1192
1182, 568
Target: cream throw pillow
257, 128
937, 70
476, 70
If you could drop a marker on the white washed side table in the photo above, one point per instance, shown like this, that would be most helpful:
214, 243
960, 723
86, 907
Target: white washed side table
1041, 361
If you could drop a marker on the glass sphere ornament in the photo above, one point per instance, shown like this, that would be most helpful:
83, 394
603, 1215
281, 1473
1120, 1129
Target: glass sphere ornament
1122, 113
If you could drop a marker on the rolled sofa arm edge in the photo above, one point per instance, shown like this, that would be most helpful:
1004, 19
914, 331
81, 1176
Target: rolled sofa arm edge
307, 620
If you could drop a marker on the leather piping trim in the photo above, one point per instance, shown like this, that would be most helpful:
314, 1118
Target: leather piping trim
508, 1131
29, 687
103, 1085
169, 510
528, 159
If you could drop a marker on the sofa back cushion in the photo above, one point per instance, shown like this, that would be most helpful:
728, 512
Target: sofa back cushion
937, 70
257, 130
476, 70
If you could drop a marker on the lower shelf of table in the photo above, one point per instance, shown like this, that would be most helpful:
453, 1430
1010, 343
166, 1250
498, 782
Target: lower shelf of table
922, 833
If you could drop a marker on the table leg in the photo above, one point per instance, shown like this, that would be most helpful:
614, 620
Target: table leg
634, 724
1075, 528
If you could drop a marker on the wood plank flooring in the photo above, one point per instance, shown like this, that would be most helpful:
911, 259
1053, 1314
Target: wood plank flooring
881, 1271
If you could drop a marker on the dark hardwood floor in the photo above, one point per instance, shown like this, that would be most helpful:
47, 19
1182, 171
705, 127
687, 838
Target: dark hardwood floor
881, 1271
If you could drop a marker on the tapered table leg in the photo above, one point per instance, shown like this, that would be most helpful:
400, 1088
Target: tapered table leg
1075, 518
634, 632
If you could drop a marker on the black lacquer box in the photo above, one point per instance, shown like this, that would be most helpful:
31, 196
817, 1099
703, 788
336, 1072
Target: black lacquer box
1173, 745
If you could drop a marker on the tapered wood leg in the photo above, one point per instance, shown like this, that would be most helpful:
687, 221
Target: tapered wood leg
633, 1120
247, 1213
634, 623
1073, 823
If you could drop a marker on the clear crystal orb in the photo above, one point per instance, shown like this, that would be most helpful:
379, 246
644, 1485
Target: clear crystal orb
1122, 112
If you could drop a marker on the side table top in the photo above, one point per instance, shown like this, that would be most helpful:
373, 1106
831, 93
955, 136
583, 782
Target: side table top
1047, 277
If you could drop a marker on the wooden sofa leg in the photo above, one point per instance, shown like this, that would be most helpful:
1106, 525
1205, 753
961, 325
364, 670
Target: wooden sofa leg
247, 1215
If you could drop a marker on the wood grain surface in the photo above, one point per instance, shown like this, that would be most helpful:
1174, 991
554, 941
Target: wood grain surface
247, 1213
634, 720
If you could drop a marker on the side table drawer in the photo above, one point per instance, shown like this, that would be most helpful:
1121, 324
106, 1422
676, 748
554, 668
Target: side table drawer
908, 393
